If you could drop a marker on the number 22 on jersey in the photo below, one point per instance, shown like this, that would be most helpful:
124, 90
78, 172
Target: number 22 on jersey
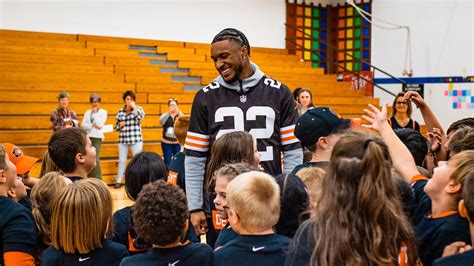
251, 115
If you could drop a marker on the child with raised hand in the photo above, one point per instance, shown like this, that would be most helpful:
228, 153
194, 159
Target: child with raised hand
223, 176
144, 168
254, 209
460, 253
437, 220
161, 217
359, 218
79, 223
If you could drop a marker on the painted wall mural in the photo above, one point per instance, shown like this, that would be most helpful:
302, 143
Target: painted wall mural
331, 37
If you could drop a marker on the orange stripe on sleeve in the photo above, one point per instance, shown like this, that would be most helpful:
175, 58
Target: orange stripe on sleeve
415, 178
197, 138
18, 258
196, 145
287, 131
288, 138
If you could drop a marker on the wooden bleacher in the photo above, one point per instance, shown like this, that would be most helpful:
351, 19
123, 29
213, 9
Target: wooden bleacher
35, 67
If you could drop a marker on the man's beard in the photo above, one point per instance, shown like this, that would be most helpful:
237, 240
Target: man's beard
236, 77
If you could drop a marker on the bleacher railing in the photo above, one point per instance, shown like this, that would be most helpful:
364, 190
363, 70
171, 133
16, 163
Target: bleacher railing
332, 62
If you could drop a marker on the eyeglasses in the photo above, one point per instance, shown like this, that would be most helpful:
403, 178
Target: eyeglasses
401, 103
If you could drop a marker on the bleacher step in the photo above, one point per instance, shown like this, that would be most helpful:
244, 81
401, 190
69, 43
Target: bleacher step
186, 79
151, 55
142, 48
163, 62
189, 87
174, 70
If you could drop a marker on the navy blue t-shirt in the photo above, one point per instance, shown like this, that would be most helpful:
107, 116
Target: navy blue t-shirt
74, 178
323, 165
110, 253
26, 202
248, 250
190, 254
176, 167
17, 228
125, 234
433, 234
225, 236
463, 259
302, 245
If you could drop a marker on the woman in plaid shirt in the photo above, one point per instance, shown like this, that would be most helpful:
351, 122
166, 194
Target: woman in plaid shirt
128, 123
63, 117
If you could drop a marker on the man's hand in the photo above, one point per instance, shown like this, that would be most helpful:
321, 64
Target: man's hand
377, 118
455, 248
415, 97
199, 221
122, 124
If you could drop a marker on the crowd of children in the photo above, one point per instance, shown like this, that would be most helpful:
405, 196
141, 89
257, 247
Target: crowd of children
367, 195
355, 209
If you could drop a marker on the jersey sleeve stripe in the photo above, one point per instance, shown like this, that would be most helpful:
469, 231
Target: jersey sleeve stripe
197, 140
196, 145
288, 138
287, 135
289, 141
202, 143
189, 147
288, 129
198, 136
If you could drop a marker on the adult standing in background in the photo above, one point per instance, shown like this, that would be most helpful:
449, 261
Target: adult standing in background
128, 123
169, 144
304, 101
62, 117
94, 119
401, 114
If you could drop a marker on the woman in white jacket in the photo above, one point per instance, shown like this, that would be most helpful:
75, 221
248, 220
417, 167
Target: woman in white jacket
94, 119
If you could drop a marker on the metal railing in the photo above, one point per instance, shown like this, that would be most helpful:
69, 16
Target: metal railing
332, 62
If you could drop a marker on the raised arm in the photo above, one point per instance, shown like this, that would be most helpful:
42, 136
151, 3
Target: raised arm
433, 126
401, 157
428, 116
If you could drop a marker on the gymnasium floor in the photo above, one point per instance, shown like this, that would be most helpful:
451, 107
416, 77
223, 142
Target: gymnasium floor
120, 198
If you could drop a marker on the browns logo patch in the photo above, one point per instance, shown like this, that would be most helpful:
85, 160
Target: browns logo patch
17, 152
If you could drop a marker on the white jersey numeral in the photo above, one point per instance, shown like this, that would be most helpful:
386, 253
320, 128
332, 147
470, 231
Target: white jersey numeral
251, 115
212, 86
263, 133
272, 83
